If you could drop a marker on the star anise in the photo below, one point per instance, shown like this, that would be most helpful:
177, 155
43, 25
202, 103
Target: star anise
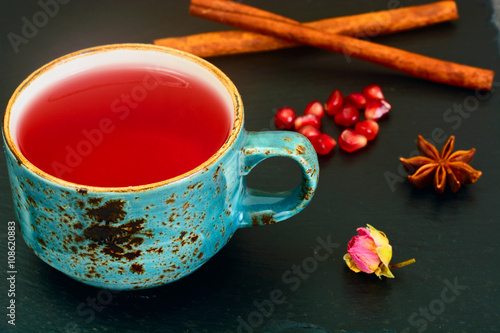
439, 168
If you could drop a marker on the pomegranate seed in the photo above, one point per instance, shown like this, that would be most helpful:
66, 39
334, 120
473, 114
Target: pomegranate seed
368, 128
351, 141
373, 91
357, 100
323, 143
307, 119
376, 108
284, 118
315, 108
347, 117
309, 131
334, 103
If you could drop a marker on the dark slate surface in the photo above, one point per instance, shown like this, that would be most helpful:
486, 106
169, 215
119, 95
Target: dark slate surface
453, 287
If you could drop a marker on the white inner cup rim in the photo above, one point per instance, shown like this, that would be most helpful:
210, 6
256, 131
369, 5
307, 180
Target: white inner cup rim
138, 55
117, 57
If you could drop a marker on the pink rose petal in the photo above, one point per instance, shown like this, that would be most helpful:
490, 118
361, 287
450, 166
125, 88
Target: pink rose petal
362, 250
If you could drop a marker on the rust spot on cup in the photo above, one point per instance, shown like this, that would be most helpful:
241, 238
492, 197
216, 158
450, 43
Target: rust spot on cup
267, 219
118, 241
79, 238
306, 193
300, 150
136, 241
171, 199
216, 173
310, 172
30, 183
263, 219
112, 211
78, 226
92, 273
255, 221
191, 187
287, 139
82, 191
137, 268
172, 217
158, 250
31, 201
94, 201
117, 252
42, 242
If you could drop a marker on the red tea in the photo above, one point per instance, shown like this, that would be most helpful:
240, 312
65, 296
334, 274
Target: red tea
124, 126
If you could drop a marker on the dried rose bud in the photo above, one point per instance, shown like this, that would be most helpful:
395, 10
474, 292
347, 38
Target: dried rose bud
370, 252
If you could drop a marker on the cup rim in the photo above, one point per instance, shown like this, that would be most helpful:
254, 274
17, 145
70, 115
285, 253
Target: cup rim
224, 80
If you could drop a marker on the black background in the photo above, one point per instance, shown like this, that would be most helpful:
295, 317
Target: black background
453, 237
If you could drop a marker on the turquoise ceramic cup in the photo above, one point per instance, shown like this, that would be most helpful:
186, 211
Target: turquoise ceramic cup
144, 236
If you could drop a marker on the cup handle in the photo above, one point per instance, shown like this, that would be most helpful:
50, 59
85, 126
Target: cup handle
260, 207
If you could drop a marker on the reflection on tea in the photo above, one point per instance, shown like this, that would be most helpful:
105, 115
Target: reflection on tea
123, 126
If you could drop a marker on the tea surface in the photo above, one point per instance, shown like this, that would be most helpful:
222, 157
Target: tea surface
123, 126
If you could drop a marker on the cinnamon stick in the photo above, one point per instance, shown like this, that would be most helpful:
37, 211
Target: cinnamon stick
253, 19
364, 25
